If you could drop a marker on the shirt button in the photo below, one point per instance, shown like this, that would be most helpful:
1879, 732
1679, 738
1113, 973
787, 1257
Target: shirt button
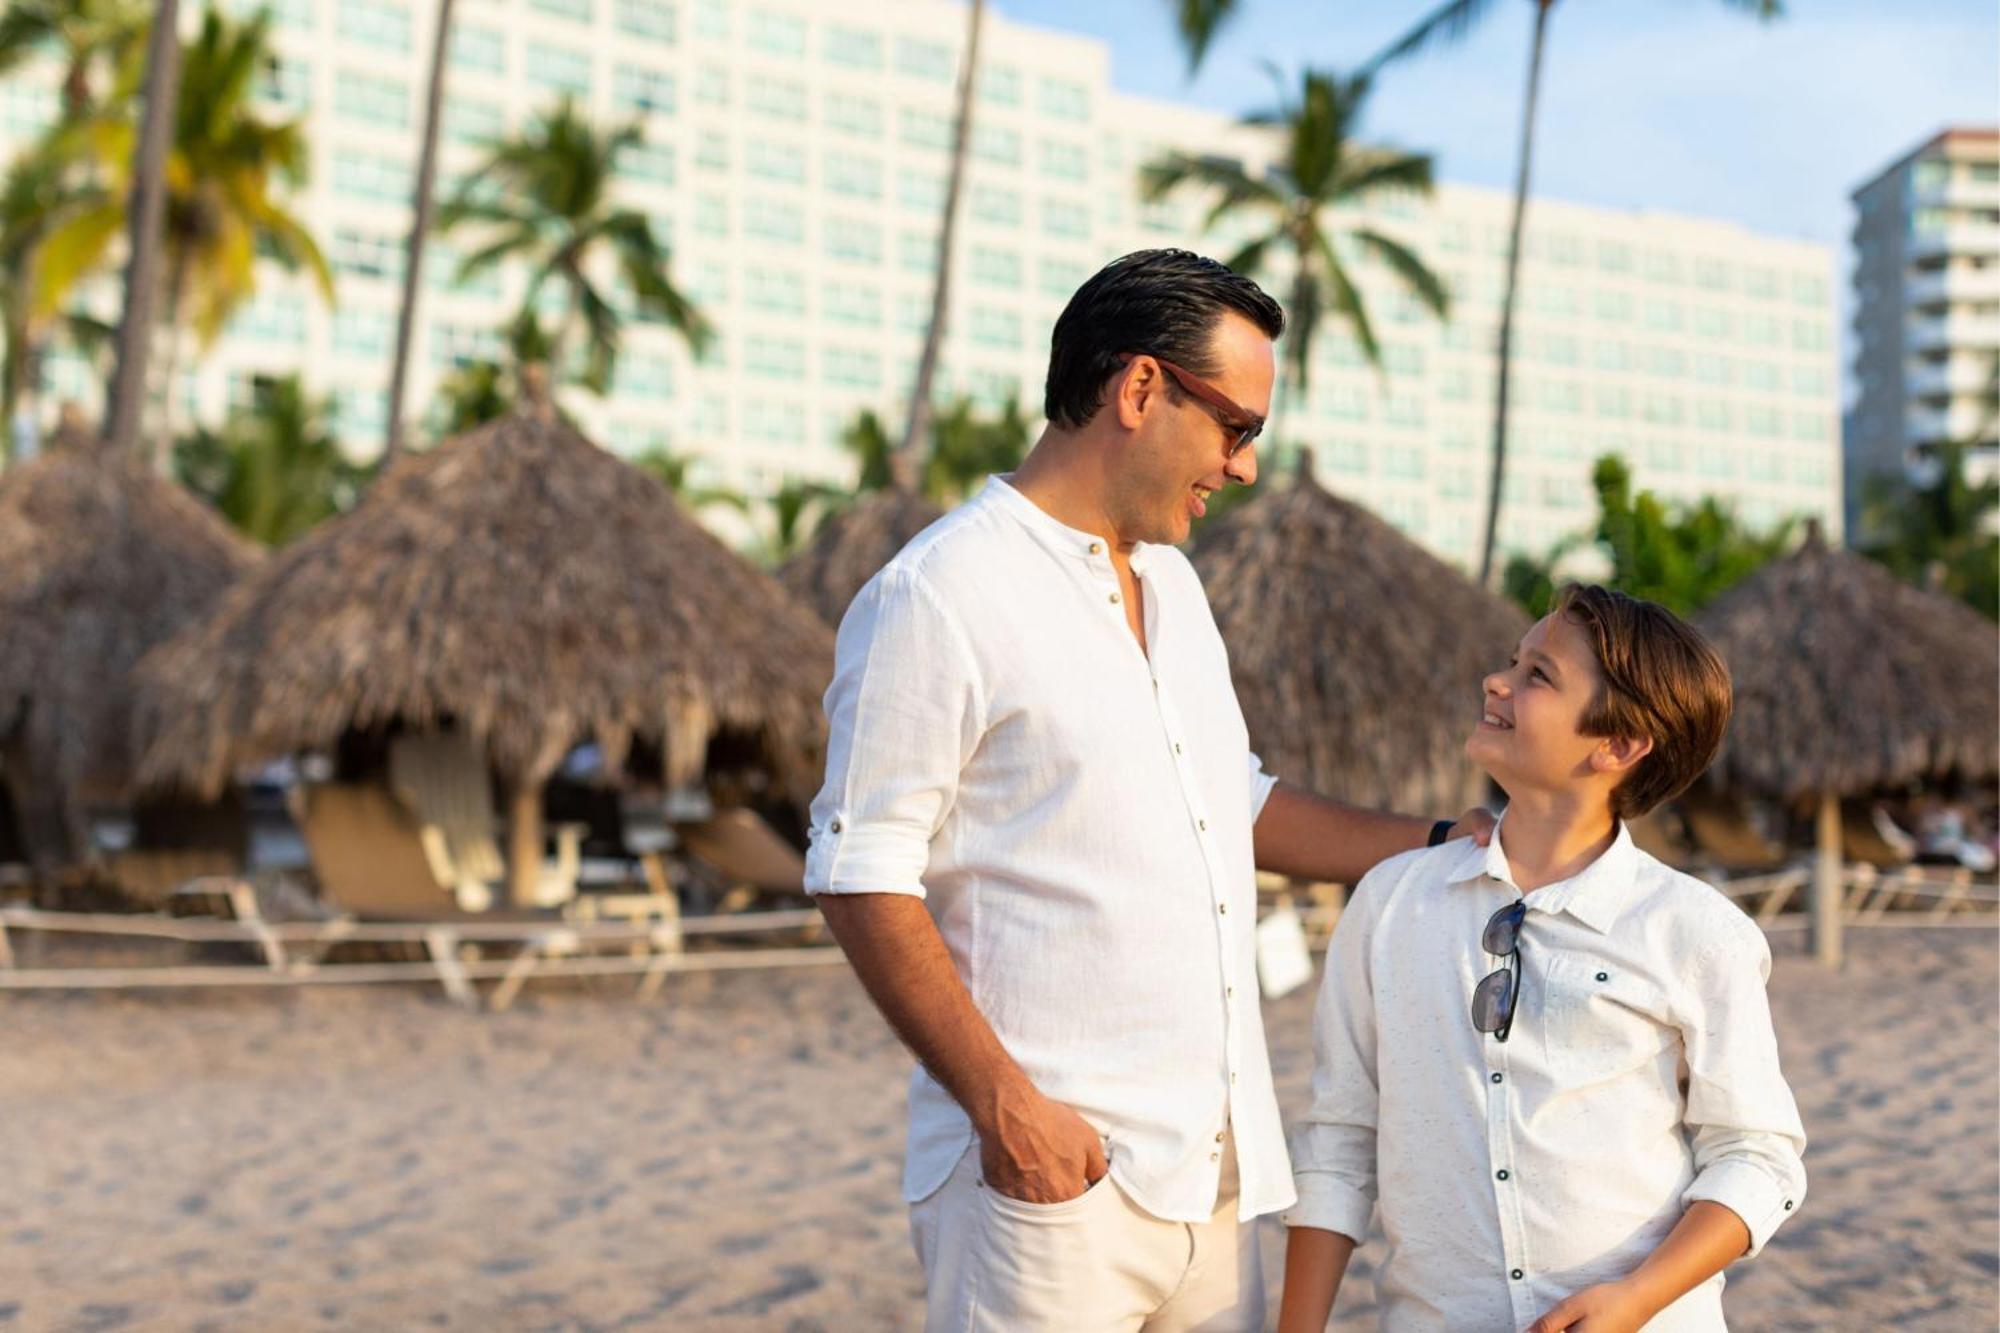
1177, 747
1517, 1275
1229, 992
1604, 976
1115, 599
1788, 1205
1499, 1175
1496, 1078
1097, 548
1201, 824
1218, 1138
1222, 908
1215, 1157
835, 826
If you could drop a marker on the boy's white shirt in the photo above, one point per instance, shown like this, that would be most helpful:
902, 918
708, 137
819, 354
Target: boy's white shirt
1640, 1076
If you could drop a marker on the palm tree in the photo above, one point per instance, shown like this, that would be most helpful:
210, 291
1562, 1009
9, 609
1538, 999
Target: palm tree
420, 224
221, 213
906, 461
274, 469
967, 448
83, 33
37, 192
1450, 22
544, 199
1321, 171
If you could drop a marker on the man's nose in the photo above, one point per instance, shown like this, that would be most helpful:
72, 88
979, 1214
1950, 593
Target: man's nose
1242, 467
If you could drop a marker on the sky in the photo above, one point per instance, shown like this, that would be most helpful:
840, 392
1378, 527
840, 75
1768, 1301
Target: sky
1685, 106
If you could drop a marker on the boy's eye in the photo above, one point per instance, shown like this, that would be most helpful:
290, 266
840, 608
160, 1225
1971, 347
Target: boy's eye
1536, 674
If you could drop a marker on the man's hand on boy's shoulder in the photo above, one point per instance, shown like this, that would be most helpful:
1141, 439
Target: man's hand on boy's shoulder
1609, 1307
1477, 824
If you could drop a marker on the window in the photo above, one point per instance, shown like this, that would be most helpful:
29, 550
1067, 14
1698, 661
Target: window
779, 34
853, 48
1663, 316
1809, 381
991, 205
441, 264
288, 83
996, 328
1064, 161
769, 219
650, 162
994, 143
775, 291
558, 69
1713, 275
711, 150
1063, 100
916, 251
1760, 330
363, 333
1403, 359
1662, 266
774, 423
851, 368
1808, 289
369, 176
921, 190
999, 85
770, 161
853, 175
853, 241
1062, 217
1760, 281
1712, 323
927, 60
854, 115
776, 99
272, 319
371, 99
1761, 376
711, 215
471, 120
1614, 257
923, 129
478, 49
376, 23
576, 11
711, 86
1061, 277
359, 254
650, 19
996, 268
636, 88
770, 357
641, 376
852, 304
1808, 335
711, 19
1614, 402
460, 344
1709, 368
1714, 414
1762, 420
1615, 307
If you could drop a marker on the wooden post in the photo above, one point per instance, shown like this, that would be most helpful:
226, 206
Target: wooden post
524, 841
1826, 895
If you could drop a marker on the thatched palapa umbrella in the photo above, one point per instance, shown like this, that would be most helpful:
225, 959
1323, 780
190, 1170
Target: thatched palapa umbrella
1848, 680
518, 583
1357, 655
100, 561
852, 545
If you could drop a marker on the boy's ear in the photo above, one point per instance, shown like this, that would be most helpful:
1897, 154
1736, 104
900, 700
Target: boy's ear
1620, 754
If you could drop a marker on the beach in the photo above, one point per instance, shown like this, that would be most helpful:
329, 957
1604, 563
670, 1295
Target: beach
727, 1156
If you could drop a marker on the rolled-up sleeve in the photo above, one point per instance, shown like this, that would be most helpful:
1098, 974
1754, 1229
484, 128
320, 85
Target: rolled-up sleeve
903, 715
1261, 786
1333, 1146
1743, 1123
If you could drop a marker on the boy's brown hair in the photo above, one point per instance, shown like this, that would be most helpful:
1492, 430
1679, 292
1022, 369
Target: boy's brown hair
1661, 680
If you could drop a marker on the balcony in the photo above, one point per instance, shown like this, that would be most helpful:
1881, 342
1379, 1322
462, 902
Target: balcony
1953, 333
1927, 425
1961, 238
1953, 286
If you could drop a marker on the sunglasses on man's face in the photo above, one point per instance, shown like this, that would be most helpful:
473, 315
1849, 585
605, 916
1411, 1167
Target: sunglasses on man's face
1494, 999
1243, 425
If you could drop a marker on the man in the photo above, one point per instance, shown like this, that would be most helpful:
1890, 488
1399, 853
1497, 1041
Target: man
1037, 835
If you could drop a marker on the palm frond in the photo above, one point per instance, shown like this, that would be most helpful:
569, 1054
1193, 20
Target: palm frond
1416, 275
1449, 22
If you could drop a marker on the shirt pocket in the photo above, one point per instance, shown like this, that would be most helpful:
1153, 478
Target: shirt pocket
1600, 1021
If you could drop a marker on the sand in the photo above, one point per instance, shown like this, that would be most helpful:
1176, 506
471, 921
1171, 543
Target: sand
727, 1156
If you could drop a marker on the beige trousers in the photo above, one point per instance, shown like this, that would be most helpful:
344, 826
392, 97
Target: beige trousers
1093, 1264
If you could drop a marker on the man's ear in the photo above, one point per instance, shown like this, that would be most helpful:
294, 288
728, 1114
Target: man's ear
1619, 755
1135, 386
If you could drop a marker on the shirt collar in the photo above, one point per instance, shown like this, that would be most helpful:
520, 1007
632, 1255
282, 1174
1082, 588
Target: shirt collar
1595, 895
1050, 531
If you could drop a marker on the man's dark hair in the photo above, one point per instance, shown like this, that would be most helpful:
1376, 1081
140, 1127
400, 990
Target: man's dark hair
1162, 302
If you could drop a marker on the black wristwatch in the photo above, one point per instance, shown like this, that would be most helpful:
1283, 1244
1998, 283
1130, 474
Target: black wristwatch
1439, 832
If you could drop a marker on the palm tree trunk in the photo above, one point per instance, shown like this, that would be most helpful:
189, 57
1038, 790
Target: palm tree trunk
905, 463
1505, 350
147, 208
163, 441
524, 841
420, 225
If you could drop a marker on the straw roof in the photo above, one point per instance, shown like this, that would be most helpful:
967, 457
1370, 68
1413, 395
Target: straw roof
1848, 679
100, 560
852, 545
1357, 655
519, 582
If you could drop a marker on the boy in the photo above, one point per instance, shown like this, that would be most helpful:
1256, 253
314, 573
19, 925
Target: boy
1551, 1058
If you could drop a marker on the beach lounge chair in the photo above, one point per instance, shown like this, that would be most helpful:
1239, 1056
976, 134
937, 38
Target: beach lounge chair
370, 855
747, 853
441, 777
1869, 837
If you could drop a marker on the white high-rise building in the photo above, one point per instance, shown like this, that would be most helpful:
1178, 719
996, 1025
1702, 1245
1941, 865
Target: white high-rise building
795, 160
1927, 309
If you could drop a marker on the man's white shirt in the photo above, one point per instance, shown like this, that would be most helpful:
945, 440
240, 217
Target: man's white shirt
1641, 1075
1077, 813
